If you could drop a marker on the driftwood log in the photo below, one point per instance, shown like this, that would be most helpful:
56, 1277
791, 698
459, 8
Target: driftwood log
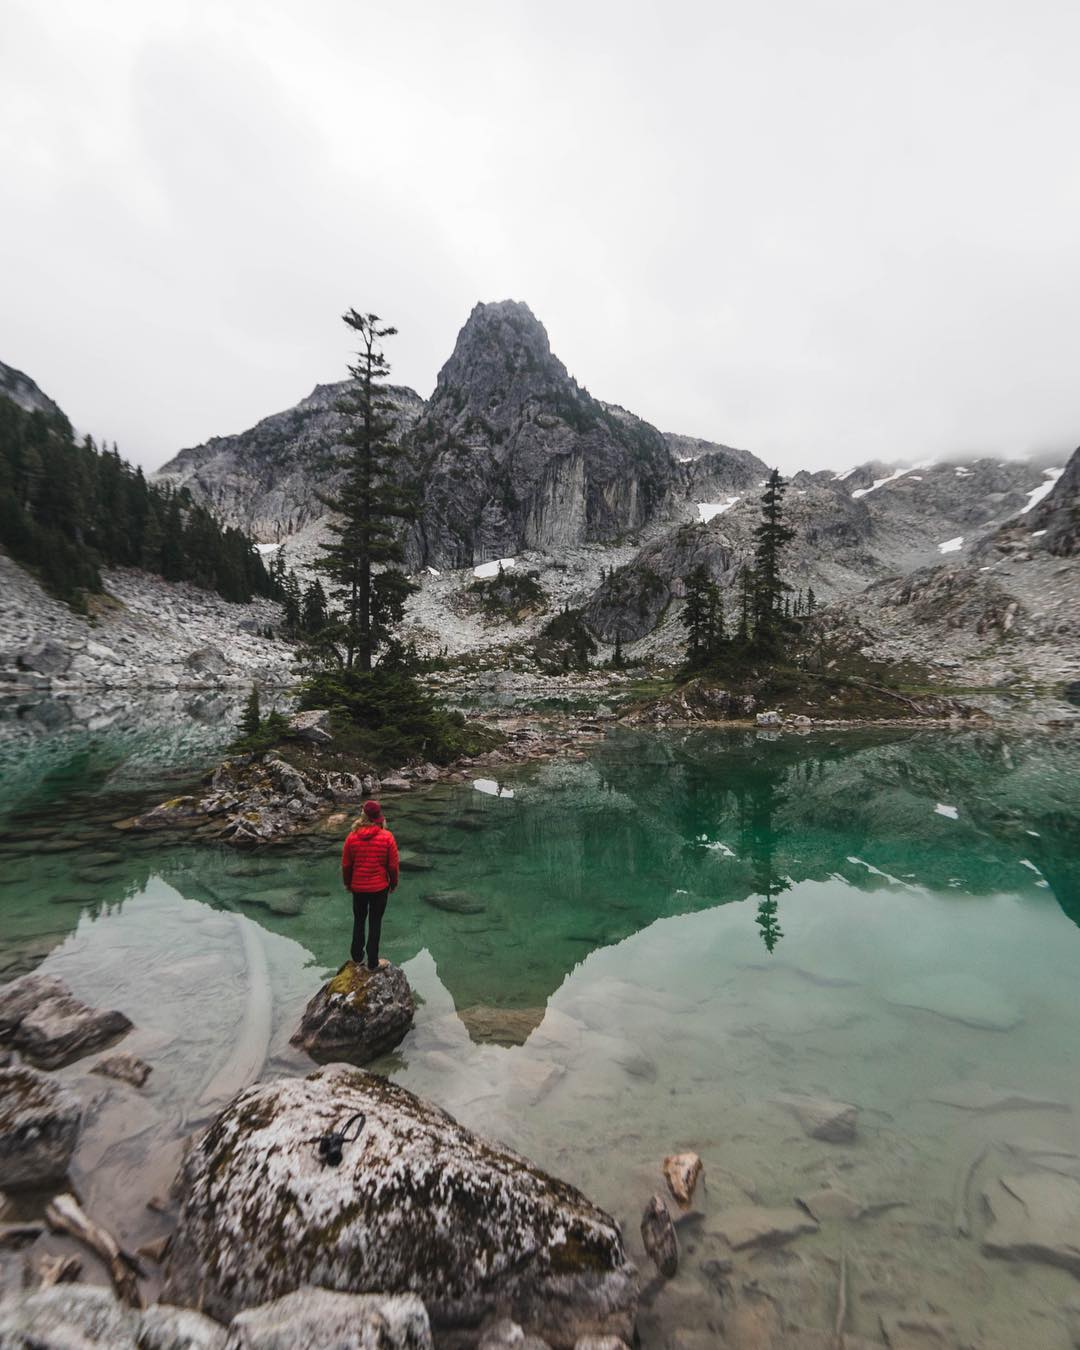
64, 1214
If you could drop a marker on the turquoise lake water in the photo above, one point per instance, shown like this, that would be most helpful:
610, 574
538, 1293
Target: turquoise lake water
619, 957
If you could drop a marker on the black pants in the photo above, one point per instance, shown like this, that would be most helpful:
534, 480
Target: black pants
367, 906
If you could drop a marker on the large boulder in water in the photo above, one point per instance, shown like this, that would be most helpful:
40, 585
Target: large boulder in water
417, 1204
357, 1016
40, 1016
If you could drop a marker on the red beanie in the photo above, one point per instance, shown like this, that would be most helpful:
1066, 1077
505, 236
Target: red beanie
373, 811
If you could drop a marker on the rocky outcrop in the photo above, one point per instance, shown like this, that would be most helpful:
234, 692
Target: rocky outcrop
267, 480
39, 1127
418, 1204
253, 799
695, 701
310, 1319
41, 1017
358, 1015
514, 454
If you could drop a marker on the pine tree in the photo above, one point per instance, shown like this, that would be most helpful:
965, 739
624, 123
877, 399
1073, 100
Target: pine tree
811, 600
703, 617
746, 592
771, 536
617, 654
250, 718
369, 510
313, 615
290, 603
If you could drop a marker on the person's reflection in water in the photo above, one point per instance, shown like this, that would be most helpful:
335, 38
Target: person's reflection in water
759, 799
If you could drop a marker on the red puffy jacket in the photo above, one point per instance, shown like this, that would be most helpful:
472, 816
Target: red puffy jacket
369, 860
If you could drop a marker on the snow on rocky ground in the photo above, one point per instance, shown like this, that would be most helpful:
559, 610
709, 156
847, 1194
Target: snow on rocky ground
147, 634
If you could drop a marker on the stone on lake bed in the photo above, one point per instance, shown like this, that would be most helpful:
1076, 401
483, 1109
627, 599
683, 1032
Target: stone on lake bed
681, 1171
418, 1204
453, 902
658, 1236
358, 1015
128, 1068
283, 902
1036, 1217
820, 1118
310, 1318
411, 863
758, 1226
39, 1127
41, 1017
830, 1203
959, 997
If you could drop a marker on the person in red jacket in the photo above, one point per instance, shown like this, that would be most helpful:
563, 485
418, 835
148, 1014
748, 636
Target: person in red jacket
369, 869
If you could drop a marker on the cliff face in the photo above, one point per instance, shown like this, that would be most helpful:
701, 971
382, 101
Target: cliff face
515, 455
266, 479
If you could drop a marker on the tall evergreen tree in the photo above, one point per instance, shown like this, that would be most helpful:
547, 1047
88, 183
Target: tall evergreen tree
250, 717
746, 592
313, 615
703, 617
368, 589
771, 537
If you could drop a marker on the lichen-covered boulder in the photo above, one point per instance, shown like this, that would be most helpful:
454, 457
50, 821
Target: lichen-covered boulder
417, 1204
79, 1316
39, 1126
357, 1016
311, 1319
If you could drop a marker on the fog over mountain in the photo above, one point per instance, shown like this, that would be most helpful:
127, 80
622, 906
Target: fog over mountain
828, 233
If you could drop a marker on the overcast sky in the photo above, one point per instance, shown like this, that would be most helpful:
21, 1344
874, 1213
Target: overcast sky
825, 230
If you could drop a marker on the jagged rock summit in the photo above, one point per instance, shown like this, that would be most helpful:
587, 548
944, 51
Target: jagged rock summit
417, 1204
358, 1015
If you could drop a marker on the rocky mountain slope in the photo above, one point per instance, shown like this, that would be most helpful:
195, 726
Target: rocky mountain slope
265, 480
509, 454
1007, 613
22, 391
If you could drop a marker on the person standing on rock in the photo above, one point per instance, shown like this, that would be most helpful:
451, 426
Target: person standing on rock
369, 869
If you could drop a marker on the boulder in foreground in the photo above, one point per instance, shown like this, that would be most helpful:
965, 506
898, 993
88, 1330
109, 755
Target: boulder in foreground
357, 1016
39, 1126
418, 1204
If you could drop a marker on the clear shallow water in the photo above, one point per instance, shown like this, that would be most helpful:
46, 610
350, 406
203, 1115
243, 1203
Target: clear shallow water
598, 989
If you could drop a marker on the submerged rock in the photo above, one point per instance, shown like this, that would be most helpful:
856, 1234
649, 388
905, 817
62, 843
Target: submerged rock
358, 1015
833, 1122
658, 1235
310, 1319
453, 902
830, 1203
1036, 1217
128, 1068
417, 1204
39, 1126
40, 1016
681, 1171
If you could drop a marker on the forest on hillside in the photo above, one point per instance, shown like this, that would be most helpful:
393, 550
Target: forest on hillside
69, 508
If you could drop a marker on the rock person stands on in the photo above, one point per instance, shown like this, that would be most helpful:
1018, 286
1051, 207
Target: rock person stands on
369, 869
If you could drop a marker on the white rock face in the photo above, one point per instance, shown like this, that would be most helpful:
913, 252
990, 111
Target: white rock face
417, 1204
